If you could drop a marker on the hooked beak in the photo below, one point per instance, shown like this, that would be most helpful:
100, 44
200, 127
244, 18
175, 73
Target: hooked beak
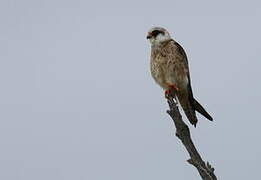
149, 36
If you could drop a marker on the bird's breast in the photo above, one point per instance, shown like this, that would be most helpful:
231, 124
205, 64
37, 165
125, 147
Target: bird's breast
166, 71
158, 68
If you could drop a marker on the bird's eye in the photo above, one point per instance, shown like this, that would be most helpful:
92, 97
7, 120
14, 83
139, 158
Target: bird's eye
156, 32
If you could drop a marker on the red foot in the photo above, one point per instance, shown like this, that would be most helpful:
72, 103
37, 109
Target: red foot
167, 92
174, 87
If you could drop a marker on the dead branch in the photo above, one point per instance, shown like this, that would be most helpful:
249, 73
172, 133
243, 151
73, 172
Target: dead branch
182, 132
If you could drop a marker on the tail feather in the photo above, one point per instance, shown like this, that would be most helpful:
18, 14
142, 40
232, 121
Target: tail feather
191, 115
188, 109
201, 110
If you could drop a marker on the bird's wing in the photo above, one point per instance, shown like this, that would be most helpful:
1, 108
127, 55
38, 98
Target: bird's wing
194, 103
184, 60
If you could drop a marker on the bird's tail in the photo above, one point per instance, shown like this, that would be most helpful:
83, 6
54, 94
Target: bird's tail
189, 110
201, 110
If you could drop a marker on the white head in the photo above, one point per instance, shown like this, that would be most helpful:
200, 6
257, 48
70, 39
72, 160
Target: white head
158, 35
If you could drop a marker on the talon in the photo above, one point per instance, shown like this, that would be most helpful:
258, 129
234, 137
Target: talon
167, 92
171, 91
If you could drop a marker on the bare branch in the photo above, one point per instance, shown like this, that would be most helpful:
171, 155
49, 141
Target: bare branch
182, 132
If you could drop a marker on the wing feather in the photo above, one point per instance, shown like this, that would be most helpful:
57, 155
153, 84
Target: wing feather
183, 54
194, 103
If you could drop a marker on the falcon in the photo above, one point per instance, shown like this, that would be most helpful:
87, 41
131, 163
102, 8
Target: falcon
169, 68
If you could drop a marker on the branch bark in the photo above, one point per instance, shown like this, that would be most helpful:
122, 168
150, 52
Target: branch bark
182, 132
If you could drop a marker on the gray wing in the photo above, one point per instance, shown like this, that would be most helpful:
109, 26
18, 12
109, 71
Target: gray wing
182, 52
194, 103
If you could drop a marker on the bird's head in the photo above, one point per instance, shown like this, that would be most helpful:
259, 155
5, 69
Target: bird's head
158, 35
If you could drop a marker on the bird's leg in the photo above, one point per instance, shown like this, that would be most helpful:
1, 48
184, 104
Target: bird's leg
173, 87
171, 92
167, 92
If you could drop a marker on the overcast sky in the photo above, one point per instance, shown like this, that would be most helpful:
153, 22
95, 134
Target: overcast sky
77, 100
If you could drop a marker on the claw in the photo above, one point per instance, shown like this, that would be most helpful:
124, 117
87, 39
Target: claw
167, 92
171, 91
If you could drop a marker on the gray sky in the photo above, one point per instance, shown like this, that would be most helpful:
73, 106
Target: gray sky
77, 100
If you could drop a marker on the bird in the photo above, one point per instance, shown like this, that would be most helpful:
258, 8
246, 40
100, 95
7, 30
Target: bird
169, 68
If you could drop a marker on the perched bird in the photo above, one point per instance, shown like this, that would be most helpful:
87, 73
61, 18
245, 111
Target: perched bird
169, 68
